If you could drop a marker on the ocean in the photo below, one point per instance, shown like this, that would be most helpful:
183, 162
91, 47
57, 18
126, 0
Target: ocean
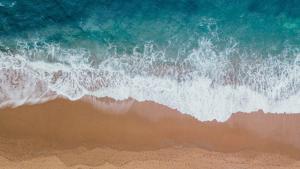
206, 58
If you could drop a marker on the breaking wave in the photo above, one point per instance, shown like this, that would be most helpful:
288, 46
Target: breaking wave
208, 82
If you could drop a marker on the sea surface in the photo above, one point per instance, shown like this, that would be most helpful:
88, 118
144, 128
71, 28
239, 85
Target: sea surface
206, 58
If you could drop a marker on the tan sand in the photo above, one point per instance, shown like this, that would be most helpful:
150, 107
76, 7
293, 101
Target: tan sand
65, 134
171, 158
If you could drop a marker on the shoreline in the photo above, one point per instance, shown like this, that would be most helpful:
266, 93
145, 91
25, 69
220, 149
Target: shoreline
49, 130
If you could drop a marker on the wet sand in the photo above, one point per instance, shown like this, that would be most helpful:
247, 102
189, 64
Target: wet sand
130, 134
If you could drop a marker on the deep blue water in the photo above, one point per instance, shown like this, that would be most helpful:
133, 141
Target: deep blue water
267, 25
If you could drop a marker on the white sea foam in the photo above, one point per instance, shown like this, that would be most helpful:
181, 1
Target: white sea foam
207, 83
10, 5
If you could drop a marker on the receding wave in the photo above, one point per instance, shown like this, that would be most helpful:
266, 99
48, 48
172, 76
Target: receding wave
208, 82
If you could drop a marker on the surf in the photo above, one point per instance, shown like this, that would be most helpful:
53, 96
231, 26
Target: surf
207, 84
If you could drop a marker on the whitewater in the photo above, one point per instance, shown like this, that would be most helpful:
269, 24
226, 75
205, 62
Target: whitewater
207, 84
205, 58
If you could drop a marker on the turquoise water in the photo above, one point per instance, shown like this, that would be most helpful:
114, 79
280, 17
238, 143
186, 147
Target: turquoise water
208, 58
268, 25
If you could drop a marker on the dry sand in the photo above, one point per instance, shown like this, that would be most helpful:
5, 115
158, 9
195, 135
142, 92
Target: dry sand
66, 134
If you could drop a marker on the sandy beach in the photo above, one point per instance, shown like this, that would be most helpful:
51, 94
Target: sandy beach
77, 134
176, 157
